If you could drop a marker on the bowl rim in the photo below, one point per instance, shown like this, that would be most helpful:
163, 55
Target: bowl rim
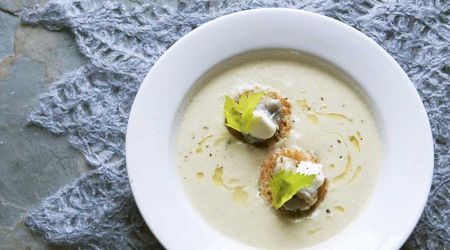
133, 140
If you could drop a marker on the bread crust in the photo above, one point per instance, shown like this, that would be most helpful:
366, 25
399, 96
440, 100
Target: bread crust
267, 169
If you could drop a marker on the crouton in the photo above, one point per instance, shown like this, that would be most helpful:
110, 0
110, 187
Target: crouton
284, 123
267, 169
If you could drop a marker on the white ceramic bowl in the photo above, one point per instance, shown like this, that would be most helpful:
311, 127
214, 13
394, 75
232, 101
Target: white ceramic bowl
405, 178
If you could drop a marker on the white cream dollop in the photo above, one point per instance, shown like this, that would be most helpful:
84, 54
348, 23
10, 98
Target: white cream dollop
307, 197
265, 123
263, 127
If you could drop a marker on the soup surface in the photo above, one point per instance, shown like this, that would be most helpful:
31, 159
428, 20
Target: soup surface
331, 119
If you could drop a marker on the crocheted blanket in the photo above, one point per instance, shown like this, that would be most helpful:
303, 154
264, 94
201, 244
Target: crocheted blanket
122, 40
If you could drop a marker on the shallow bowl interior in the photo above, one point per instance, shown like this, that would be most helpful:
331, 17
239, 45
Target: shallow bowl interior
405, 178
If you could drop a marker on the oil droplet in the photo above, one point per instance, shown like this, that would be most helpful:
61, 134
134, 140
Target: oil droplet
240, 196
355, 142
347, 170
356, 174
358, 135
200, 175
312, 119
218, 177
340, 209
201, 142
313, 231
335, 116
233, 181
303, 104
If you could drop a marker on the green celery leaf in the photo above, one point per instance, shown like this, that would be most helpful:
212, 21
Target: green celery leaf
248, 104
285, 184
232, 114
239, 115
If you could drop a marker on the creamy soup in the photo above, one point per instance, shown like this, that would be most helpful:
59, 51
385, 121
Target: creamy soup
331, 119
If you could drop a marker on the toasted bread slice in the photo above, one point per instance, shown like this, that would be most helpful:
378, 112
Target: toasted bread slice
284, 125
267, 169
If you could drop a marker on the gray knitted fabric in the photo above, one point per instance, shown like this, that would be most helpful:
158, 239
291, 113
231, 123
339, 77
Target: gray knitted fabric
123, 40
